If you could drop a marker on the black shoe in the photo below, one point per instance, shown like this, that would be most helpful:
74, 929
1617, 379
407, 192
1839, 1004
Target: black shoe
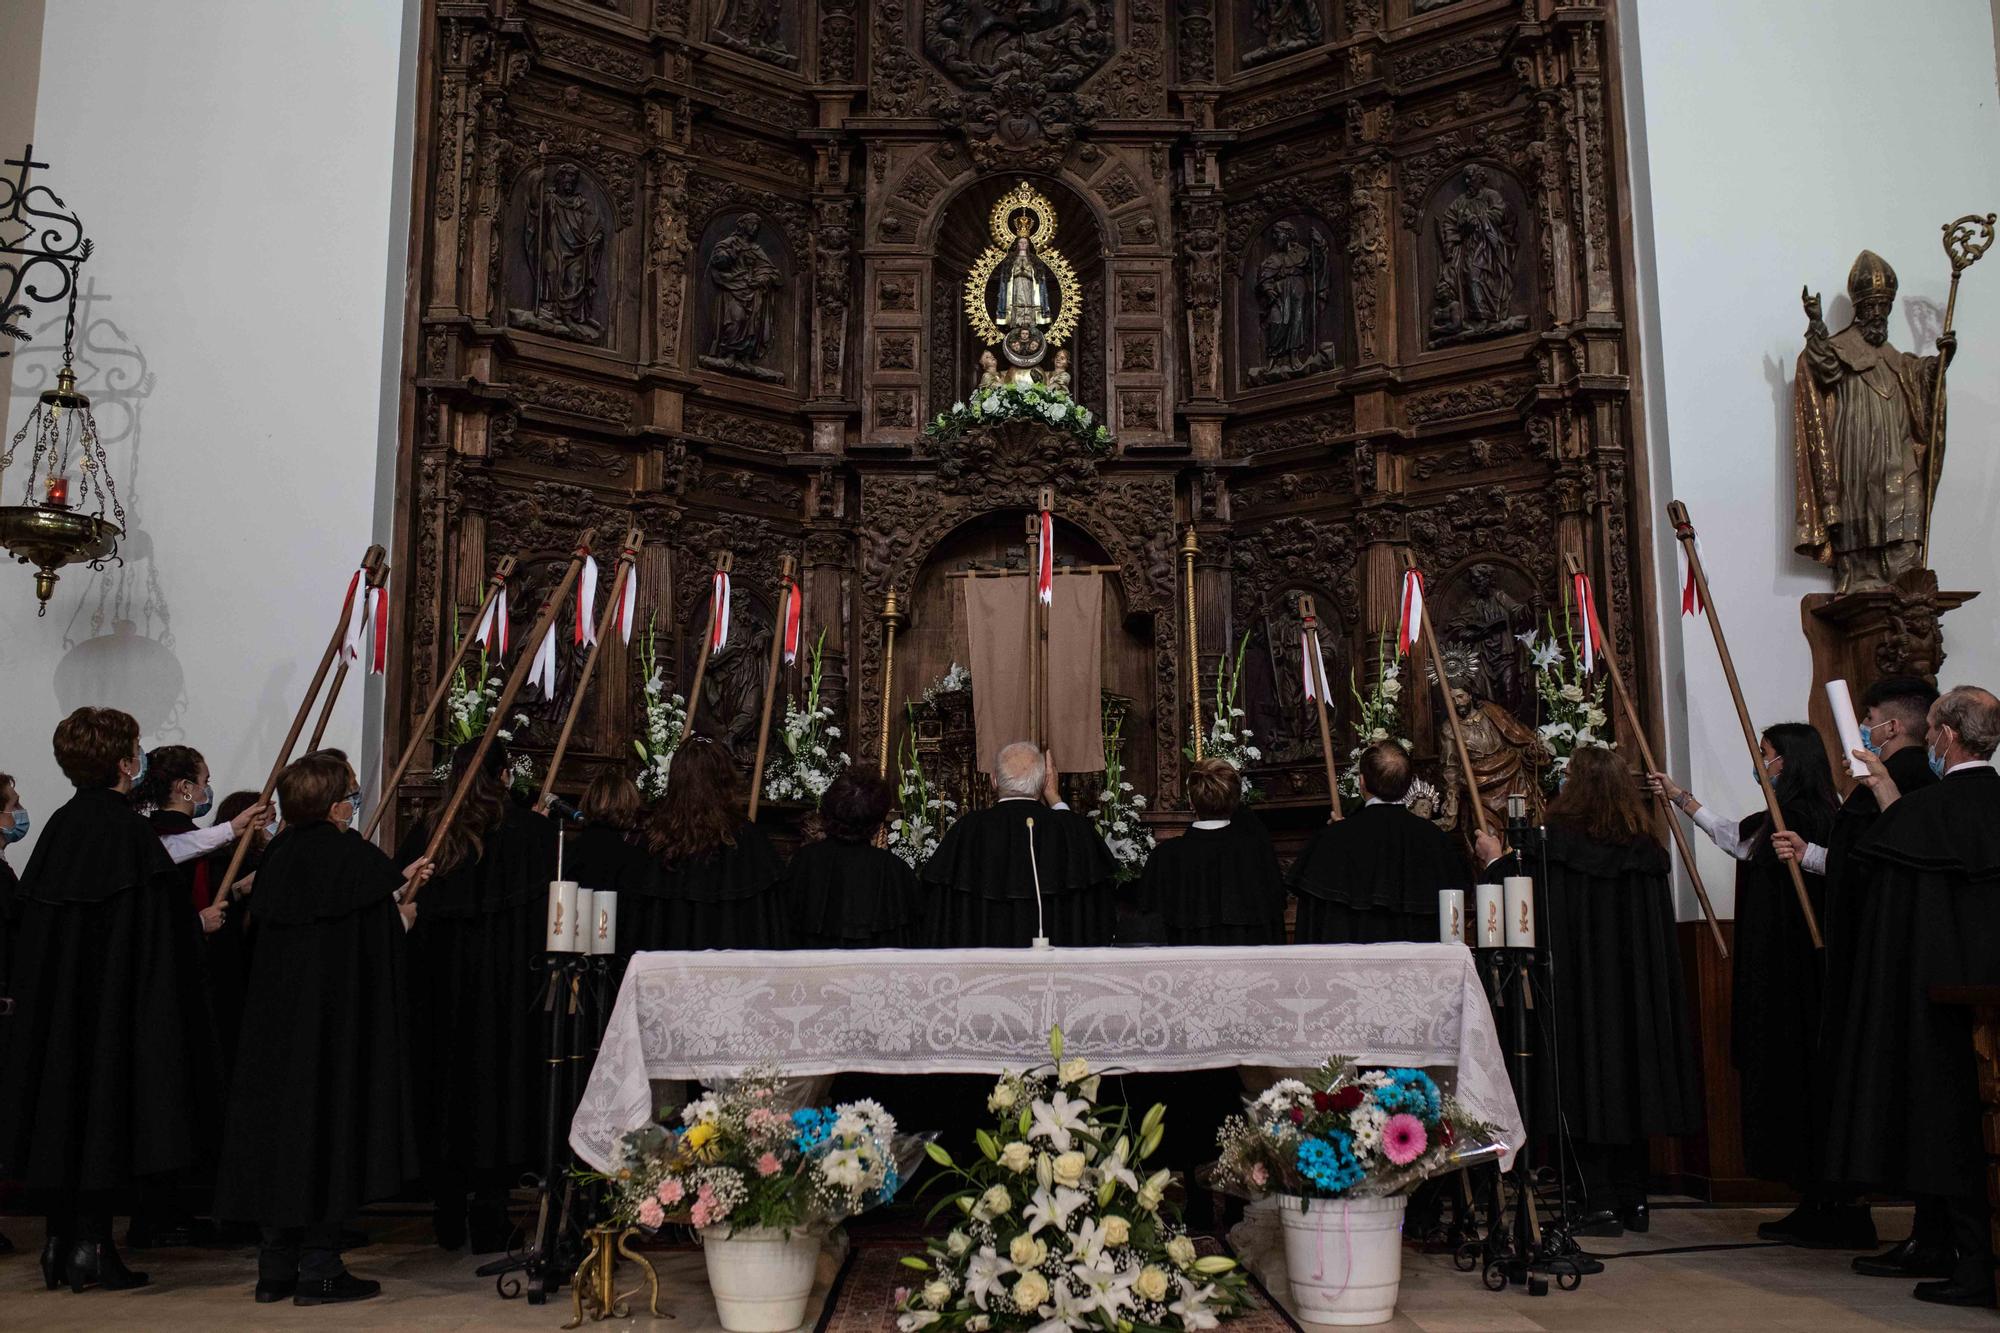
1602, 1222
1840, 1226
335, 1290
55, 1260
1586, 1264
270, 1293
1954, 1292
1907, 1260
1636, 1219
1788, 1227
96, 1263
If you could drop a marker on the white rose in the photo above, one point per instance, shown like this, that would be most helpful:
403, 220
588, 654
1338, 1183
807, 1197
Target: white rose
1151, 1284
1017, 1156
979, 1323
1074, 1070
957, 1243
1180, 1249
1003, 1096
1117, 1231
1030, 1291
937, 1293
1573, 693
996, 1201
1026, 1252
1069, 1168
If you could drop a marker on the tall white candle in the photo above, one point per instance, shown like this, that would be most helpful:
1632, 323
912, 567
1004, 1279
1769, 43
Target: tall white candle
1490, 902
604, 936
562, 915
582, 922
1520, 912
1451, 916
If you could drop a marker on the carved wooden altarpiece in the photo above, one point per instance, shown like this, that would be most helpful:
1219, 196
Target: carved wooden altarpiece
1353, 286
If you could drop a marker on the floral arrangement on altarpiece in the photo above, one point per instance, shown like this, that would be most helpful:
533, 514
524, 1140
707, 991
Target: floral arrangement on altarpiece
806, 763
1118, 813
1378, 716
468, 705
1014, 402
666, 723
1569, 698
1057, 1224
1228, 739
923, 815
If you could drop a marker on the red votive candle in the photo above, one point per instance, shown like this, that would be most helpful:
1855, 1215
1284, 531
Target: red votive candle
59, 491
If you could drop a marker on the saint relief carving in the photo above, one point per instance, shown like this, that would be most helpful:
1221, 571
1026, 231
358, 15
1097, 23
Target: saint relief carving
1507, 756
1485, 628
1293, 293
755, 28
744, 282
1282, 27
1475, 294
563, 288
1022, 62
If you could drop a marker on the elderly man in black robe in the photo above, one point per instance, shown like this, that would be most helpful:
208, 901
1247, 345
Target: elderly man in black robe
1905, 1110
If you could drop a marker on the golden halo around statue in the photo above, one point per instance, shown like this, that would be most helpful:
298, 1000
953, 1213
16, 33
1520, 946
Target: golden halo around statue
1023, 198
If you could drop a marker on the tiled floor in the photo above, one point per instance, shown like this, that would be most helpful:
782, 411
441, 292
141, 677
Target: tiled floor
1643, 1291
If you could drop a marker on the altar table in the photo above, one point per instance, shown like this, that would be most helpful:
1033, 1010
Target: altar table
718, 1013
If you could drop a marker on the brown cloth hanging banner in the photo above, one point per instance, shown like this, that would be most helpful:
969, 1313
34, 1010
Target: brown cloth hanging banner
1000, 635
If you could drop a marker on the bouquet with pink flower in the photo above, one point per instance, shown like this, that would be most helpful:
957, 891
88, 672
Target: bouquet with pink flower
743, 1156
1346, 1133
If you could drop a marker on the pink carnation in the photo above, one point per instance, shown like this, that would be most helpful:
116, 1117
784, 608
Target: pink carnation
1403, 1139
767, 1165
651, 1214
762, 1118
671, 1191
699, 1214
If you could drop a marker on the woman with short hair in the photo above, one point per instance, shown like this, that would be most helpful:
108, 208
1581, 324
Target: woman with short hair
847, 891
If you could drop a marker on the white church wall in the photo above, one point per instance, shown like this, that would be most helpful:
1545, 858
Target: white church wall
1772, 143
242, 166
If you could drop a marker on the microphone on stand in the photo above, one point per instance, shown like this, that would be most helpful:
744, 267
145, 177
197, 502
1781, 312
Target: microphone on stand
1041, 940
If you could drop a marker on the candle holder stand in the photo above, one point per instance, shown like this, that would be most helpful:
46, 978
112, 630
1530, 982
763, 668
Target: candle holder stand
575, 997
594, 1290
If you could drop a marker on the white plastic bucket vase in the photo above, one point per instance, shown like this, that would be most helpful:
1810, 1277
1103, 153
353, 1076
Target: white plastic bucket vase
1344, 1257
761, 1277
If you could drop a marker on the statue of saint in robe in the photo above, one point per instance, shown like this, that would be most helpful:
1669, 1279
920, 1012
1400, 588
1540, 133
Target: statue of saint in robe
1863, 429
564, 239
1024, 285
745, 302
1478, 243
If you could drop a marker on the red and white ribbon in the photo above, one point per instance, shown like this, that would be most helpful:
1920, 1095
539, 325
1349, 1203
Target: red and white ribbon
719, 613
543, 670
586, 603
1045, 561
1587, 608
1691, 604
1313, 669
1410, 613
791, 622
628, 604
492, 631
378, 619
354, 614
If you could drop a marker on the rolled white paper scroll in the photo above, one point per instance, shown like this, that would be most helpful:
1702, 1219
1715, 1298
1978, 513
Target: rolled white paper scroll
1847, 724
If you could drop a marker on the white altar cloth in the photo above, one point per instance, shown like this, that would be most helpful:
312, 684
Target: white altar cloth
717, 1013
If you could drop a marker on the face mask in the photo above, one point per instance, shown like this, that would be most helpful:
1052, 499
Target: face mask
18, 829
353, 809
271, 829
206, 803
1868, 742
1936, 761
140, 776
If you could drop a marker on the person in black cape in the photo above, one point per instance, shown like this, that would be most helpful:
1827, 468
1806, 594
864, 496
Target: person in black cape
1894, 715
1777, 983
1219, 882
846, 891
1376, 874
1621, 1066
14, 821
319, 1120
715, 881
1905, 1092
980, 884
108, 1074
478, 1033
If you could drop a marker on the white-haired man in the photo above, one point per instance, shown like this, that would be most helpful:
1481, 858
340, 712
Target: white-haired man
1905, 1111
982, 882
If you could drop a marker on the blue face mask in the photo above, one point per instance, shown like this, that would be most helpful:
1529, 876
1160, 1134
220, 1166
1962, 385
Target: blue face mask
206, 803
1937, 761
1868, 741
17, 828
353, 808
140, 776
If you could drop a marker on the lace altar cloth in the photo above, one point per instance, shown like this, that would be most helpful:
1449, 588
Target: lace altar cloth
942, 1011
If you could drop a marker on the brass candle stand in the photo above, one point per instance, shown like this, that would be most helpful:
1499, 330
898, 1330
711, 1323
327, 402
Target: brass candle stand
594, 1288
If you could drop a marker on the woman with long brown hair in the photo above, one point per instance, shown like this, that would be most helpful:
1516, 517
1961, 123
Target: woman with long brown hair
477, 1032
715, 882
1622, 1042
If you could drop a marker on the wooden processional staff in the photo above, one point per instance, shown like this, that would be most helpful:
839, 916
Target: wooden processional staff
1479, 817
627, 558
516, 678
1041, 560
1315, 667
375, 576
717, 607
1684, 531
1190, 548
787, 600
351, 606
1609, 657
419, 734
